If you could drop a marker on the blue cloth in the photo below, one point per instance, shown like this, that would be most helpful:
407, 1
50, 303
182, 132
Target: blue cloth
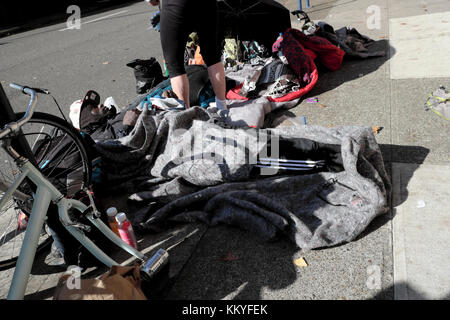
154, 21
157, 93
207, 97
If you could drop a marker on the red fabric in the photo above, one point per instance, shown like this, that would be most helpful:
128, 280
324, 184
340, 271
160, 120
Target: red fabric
328, 54
310, 53
233, 94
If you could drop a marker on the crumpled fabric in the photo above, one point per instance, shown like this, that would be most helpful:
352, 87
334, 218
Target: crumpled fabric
231, 54
293, 47
206, 183
265, 77
350, 40
250, 113
252, 77
162, 103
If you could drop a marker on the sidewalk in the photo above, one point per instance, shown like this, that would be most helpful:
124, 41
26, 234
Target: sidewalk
398, 256
402, 255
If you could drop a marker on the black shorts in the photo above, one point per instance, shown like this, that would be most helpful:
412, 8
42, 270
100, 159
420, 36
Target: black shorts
179, 18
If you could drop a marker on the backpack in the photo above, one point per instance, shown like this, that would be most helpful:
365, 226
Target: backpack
148, 73
74, 252
200, 88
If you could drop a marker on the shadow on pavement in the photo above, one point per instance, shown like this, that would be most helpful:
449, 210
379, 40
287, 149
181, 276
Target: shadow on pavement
413, 155
412, 292
351, 69
41, 295
41, 265
417, 155
235, 266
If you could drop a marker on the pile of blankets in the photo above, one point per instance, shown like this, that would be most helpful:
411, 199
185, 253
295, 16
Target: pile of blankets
194, 168
203, 164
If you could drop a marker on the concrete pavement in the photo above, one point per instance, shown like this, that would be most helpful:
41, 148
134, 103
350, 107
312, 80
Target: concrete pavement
361, 92
387, 261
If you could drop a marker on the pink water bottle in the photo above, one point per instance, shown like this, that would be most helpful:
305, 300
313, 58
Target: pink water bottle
126, 230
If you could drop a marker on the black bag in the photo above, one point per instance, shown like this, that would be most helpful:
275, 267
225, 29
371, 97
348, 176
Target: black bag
148, 73
74, 252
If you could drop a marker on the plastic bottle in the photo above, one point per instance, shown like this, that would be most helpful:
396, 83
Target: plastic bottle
111, 213
126, 230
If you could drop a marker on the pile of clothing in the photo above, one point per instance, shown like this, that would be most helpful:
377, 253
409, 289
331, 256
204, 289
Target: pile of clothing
258, 81
291, 71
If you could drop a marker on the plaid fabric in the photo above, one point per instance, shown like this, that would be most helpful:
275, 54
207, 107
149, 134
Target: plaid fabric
293, 47
293, 50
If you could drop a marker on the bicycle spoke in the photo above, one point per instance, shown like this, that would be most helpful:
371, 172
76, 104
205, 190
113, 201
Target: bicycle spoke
37, 138
62, 157
65, 171
4, 177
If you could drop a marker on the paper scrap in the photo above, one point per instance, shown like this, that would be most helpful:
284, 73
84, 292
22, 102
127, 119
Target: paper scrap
300, 262
420, 204
376, 129
312, 100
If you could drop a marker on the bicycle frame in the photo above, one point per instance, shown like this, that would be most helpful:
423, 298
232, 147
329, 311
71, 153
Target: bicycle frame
46, 193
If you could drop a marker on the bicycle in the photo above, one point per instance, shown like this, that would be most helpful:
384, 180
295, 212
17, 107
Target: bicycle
19, 195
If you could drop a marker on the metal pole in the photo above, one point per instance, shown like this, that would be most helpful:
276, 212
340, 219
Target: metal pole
300, 4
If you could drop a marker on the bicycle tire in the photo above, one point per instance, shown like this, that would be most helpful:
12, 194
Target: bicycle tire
50, 127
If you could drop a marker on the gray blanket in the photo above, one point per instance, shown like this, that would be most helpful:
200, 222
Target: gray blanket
198, 171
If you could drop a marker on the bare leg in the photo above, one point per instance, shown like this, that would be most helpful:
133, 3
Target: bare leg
180, 85
217, 76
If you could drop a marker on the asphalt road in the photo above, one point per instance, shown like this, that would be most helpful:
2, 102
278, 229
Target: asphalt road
71, 62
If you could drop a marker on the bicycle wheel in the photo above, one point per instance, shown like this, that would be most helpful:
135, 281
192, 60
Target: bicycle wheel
61, 155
